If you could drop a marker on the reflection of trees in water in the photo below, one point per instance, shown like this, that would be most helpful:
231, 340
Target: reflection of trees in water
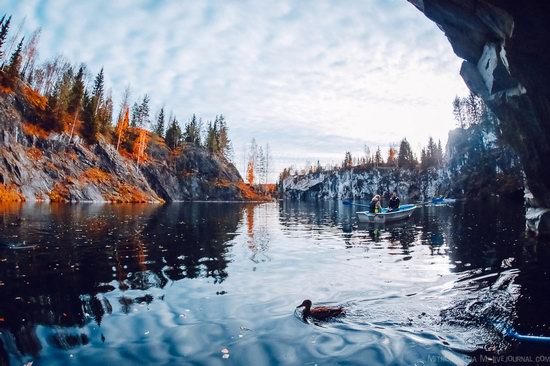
257, 223
80, 249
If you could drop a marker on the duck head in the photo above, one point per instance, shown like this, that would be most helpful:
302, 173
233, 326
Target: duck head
305, 304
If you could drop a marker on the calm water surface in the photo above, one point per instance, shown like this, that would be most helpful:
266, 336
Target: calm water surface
94, 284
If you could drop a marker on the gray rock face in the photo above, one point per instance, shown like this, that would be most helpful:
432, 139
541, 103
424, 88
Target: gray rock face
360, 183
505, 47
476, 165
52, 168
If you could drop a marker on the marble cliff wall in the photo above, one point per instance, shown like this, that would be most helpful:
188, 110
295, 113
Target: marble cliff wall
504, 44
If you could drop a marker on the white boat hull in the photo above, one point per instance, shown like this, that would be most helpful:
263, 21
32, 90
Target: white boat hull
404, 213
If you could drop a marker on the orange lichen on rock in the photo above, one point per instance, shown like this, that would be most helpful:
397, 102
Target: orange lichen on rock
120, 192
127, 193
34, 153
59, 193
96, 175
10, 193
33, 130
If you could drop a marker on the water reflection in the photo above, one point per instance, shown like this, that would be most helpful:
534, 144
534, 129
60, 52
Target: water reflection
94, 279
56, 264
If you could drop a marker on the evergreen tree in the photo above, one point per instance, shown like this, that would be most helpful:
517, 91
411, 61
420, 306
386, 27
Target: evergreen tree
378, 160
15, 61
135, 116
348, 161
143, 120
4, 28
90, 126
173, 135
98, 89
77, 92
192, 132
424, 164
458, 112
159, 126
405, 158
223, 138
211, 139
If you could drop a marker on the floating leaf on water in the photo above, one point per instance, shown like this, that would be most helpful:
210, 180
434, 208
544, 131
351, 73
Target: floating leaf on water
146, 333
225, 355
225, 350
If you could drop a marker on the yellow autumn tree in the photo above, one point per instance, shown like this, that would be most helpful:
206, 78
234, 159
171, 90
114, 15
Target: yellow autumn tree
392, 156
250, 172
121, 126
140, 145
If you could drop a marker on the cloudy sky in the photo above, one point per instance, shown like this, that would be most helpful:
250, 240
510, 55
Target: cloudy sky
312, 78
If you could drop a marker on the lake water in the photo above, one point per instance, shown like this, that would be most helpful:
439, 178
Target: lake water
217, 284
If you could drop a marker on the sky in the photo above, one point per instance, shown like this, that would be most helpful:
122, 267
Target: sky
311, 78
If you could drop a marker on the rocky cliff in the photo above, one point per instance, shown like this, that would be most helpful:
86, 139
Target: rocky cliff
504, 44
476, 165
37, 165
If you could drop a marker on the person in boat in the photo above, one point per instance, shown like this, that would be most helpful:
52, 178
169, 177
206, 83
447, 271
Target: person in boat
375, 206
394, 202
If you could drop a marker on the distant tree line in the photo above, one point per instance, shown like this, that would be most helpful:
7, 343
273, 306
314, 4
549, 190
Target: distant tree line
431, 157
77, 103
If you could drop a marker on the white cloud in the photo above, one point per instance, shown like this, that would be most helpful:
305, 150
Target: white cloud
312, 78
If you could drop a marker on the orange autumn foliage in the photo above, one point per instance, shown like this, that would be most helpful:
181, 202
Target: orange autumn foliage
140, 145
121, 127
10, 193
249, 194
250, 172
33, 130
34, 98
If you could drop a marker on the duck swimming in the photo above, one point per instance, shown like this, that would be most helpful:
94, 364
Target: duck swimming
320, 312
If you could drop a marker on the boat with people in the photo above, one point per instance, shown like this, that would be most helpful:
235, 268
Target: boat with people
385, 215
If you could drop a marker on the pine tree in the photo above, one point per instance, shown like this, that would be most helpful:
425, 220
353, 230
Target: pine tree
458, 112
378, 160
90, 127
143, 121
135, 115
98, 90
405, 158
192, 133
424, 160
4, 29
159, 126
15, 61
223, 138
348, 161
173, 135
211, 140
439, 154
